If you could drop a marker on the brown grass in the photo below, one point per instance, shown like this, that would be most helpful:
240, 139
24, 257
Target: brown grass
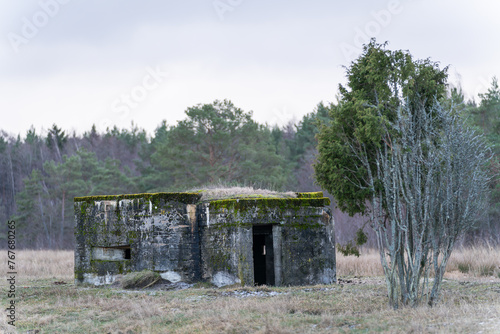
367, 264
34, 264
476, 262
481, 261
358, 306
221, 192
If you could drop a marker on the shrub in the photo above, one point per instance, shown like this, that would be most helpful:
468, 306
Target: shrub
463, 267
487, 270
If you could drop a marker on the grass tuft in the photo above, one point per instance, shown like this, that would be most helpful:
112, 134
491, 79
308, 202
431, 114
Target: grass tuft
487, 270
140, 279
463, 267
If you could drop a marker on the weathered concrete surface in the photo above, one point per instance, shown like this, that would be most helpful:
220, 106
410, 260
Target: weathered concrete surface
185, 240
303, 240
159, 231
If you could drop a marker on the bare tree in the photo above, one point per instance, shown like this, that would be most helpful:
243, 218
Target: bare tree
428, 186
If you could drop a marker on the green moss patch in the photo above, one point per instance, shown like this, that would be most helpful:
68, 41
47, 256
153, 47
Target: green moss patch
262, 203
184, 197
272, 198
317, 194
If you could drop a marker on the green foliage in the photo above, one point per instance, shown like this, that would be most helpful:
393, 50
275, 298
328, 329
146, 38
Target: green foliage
109, 179
31, 206
487, 115
361, 237
3, 145
348, 249
353, 249
217, 142
56, 138
131, 138
306, 131
31, 136
378, 83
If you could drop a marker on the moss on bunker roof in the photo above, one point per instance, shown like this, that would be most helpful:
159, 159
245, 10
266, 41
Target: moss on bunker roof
183, 197
215, 195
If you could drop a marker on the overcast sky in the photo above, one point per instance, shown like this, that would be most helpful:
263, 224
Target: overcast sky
82, 62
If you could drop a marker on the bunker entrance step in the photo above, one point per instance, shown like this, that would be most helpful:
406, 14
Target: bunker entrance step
263, 255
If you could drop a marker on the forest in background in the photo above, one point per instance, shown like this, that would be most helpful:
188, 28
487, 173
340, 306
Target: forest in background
216, 144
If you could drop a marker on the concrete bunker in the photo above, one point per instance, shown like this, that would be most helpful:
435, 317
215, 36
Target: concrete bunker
247, 240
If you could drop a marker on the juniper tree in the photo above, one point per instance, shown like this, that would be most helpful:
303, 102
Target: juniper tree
394, 153
428, 188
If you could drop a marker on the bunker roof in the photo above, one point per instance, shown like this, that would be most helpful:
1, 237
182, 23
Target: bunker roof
223, 196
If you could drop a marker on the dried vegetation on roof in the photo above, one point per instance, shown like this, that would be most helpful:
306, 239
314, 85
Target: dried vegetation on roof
217, 193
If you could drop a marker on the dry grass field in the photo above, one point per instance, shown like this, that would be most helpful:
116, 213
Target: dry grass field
470, 302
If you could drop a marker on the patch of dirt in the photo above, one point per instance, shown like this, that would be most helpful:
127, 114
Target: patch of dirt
360, 280
60, 283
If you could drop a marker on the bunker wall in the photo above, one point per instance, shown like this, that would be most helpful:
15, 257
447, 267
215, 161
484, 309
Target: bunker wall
119, 235
301, 230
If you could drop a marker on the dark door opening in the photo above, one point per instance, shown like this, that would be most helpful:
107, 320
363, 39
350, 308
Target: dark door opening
263, 255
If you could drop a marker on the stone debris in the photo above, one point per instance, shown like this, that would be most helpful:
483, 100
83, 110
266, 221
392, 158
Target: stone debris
245, 293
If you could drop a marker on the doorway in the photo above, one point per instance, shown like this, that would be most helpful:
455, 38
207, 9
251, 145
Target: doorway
263, 255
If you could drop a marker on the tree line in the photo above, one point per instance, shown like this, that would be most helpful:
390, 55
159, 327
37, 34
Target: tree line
217, 143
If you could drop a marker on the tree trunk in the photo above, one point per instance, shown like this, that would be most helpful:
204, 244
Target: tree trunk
61, 235
47, 234
12, 179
